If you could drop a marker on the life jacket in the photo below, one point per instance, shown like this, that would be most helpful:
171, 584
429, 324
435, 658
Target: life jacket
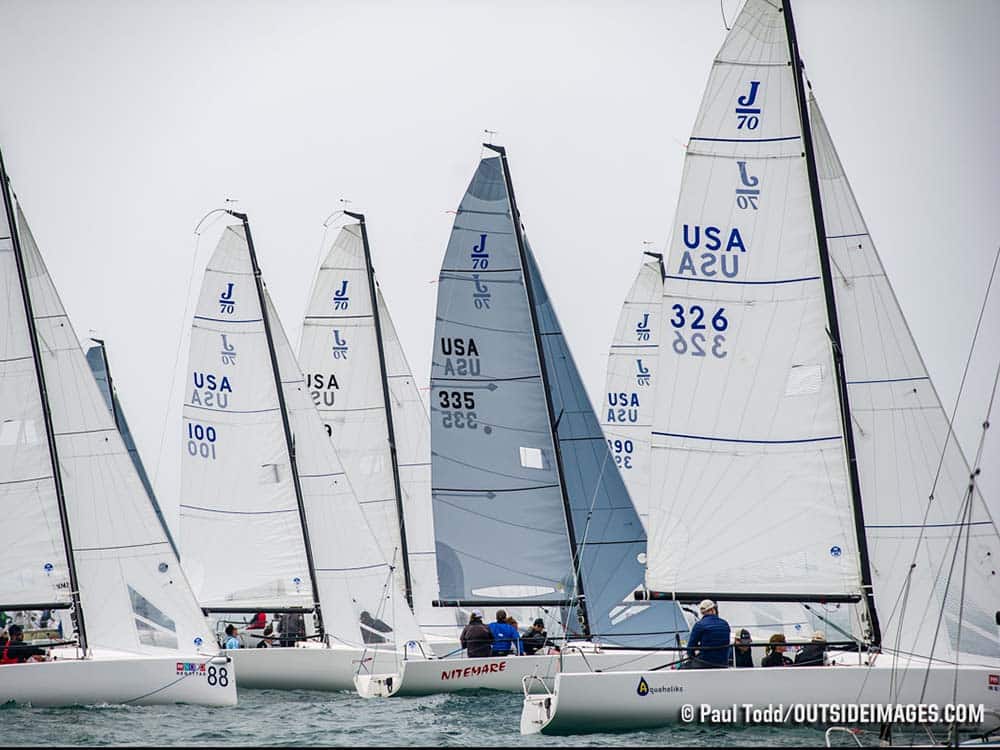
5, 658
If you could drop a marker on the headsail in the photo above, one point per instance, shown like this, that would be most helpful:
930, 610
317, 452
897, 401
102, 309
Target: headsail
748, 453
906, 451
627, 413
133, 593
502, 507
339, 353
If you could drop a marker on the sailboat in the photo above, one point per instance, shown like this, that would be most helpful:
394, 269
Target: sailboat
79, 534
269, 521
796, 433
362, 386
529, 508
627, 414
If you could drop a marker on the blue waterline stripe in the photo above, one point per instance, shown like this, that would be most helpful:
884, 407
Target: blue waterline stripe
737, 281
756, 442
887, 380
746, 140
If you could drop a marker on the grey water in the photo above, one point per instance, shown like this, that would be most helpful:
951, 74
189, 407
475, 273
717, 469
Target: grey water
271, 717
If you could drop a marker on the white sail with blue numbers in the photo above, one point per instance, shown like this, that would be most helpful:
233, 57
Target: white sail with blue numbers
506, 513
79, 531
339, 353
800, 455
627, 413
238, 486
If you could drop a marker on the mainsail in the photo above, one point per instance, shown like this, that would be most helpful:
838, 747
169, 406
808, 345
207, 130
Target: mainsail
324, 551
800, 453
525, 491
355, 387
97, 358
59, 446
627, 414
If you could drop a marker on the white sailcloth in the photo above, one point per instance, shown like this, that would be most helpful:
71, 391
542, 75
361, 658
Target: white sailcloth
240, 534
627, 414
339, 353
748, 454
133, 593
906, 452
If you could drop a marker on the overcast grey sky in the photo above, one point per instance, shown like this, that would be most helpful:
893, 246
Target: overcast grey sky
122, 123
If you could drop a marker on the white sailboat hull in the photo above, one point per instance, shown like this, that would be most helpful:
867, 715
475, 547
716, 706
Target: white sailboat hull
308, 666
581, 703
119, 678
504, 673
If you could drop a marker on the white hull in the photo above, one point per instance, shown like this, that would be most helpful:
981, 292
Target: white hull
308, 666
505, 673
120, 679
581, 703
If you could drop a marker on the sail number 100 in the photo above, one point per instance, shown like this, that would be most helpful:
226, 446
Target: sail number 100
693, 318
201, 440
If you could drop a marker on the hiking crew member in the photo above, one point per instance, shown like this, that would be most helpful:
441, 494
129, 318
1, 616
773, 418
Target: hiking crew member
506, 639
708, 644
476, 637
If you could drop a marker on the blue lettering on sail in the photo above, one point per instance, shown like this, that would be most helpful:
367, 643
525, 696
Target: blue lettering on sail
228, 352
623, 407
622, 451
339, 346
642, 328
480, 258
748, 116
711, 263
747, 195
340, 299
481, 295
226, 302
210, 390
693, 319
642, 375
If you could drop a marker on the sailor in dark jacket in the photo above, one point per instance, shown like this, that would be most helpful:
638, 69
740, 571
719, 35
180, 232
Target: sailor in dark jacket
536, 638
813, 654
708, 643
477, 639
742, 653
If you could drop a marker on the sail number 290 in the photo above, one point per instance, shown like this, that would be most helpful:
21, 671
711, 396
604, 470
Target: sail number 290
693, 318
201, 440
458, 409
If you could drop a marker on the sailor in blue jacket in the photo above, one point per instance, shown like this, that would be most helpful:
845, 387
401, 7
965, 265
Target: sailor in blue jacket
708, 645
506, 639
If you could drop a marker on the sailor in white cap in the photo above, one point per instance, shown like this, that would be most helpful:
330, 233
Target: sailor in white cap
708, 644
477, 639
813, 654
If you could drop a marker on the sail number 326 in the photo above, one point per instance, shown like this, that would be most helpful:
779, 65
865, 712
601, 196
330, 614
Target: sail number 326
693, 341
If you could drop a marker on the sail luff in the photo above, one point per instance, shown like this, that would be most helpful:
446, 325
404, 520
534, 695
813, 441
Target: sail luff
289, 441
387, 401
580, 594
12, 225
864, 560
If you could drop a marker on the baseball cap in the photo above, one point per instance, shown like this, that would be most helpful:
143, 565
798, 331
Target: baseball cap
706, 605
476, 613
539, 621
744, 636
819, 635
15, 629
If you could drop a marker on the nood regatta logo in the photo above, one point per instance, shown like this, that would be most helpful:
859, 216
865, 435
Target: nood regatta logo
643, 688
188, 668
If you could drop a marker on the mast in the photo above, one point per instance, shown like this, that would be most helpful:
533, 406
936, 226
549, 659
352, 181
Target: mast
118, 426
834, 327
516, 216
289, 441
388, 408
22, 275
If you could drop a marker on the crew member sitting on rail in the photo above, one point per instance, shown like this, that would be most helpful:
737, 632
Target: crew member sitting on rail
16, 651
708, 644
506, 639
813, 654
476, 637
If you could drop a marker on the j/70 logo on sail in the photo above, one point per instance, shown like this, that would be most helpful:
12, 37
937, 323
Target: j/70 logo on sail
748, 116
340, 299
642, 328
339, 346
226, 302
480, 258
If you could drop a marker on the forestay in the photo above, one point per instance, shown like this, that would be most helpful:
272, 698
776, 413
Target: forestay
134, 595
627, 414
339, 355
499, 512
749, 487
906, 452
